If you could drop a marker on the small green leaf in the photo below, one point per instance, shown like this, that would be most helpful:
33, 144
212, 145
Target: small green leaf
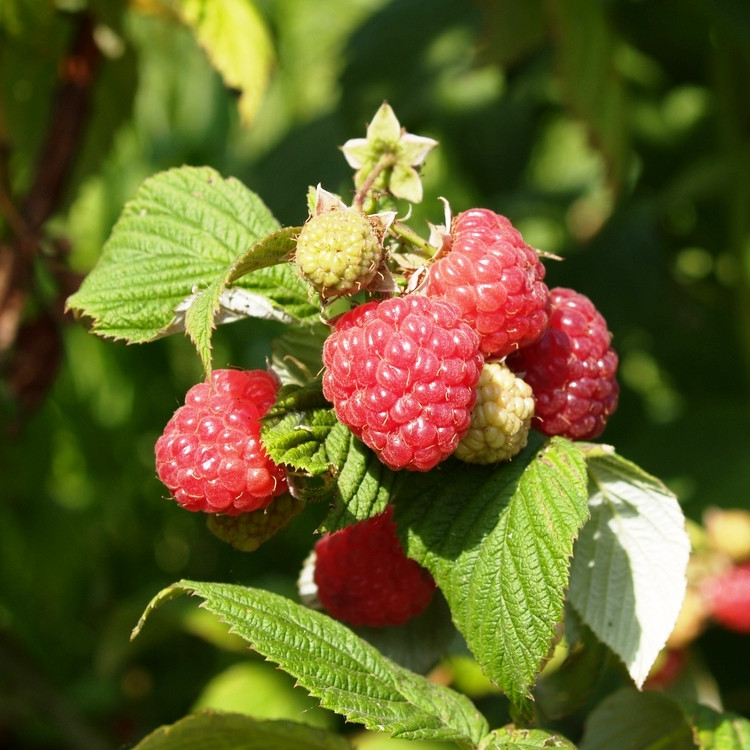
301, 431
238, 43
211, 730
271, 249
298, 440
628, 575
628, 719
364, 483
348, 675
296, 427
498, 542
200, 317
182, 232
510, 738
718, 731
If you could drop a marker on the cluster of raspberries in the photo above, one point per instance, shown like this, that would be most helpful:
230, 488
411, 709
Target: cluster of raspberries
467, 365
464, 366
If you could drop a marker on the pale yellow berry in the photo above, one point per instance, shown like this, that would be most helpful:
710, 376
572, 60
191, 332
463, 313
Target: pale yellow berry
501, 418
729, 532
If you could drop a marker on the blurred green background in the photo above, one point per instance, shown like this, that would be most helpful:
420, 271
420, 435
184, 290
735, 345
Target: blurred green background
614, 133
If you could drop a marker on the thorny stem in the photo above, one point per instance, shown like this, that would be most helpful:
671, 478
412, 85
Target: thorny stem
386, 161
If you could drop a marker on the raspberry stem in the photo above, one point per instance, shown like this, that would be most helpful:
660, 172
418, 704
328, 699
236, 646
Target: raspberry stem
386, 161
410, 236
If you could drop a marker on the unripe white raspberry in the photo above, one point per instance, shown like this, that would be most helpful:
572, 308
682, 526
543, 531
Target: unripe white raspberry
500, 419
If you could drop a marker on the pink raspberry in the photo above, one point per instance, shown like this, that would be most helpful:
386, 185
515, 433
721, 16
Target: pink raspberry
401, 375
728, 598
496, 280
210, 455
571, 369
363, 576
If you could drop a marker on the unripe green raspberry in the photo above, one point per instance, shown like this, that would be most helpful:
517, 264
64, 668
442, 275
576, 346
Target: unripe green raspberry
247, 531
338, 252
500, 419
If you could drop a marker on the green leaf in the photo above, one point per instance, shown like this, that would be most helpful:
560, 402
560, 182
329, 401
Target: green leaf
301, 431
285, 289
718, 731
200, 317
296, 355
628, 719
498, 542
348, 675
295, 429
628, 575
418, 644
590, 83
364, 484
510, 738
238, 43
211, 730
269, 250
183, 231
202, 308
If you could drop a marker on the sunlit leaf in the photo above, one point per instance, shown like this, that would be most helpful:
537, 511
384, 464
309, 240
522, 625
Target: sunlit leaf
238, 43
628, 575
348, 675
498, 542
211, 730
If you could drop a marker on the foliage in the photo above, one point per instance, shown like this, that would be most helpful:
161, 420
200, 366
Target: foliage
612, 135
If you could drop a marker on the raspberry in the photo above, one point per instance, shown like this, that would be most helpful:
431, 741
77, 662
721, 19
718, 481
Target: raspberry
571, 369
401, 375
496, 280
338, 252
729, 532
728, 598
210, 455
248, 531
501, 417
363, 576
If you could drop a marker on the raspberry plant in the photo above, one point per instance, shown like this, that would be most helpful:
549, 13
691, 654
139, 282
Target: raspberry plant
547, 560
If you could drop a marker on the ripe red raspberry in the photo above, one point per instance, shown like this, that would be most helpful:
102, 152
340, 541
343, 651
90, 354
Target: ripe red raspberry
210, 455
571, 369
728, 598
401, 375
496, 280
363, 576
